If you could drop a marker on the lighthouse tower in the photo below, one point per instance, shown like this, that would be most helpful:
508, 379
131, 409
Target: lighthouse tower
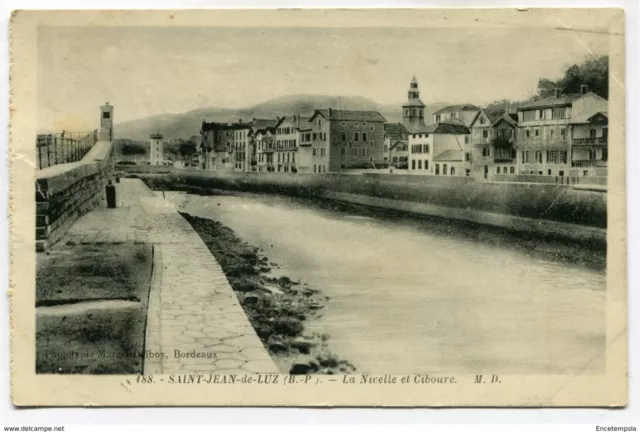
156, 156
413, 109
106, 123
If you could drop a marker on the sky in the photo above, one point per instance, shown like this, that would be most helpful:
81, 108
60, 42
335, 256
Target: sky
143, 71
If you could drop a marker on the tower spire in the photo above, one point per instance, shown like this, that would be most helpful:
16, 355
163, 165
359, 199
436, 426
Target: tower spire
413, 109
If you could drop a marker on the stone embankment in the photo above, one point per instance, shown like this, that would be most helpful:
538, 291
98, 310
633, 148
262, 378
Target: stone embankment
67, 191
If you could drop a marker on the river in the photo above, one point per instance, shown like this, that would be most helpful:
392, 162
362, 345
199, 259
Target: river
404, 299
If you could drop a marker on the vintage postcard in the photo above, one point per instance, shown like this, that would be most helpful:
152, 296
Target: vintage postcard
318, 208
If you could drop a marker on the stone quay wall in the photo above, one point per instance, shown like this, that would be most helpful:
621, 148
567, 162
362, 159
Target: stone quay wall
65, 192
539, 204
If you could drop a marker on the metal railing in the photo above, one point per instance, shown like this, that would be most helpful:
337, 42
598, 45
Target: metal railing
590, 141
65, 147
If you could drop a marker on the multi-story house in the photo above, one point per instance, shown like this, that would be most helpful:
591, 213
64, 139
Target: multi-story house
218, 145
241, 154
548, 130
305, 146
493, 135
439, 149
396, 141
343, 139
288, 157
466, 113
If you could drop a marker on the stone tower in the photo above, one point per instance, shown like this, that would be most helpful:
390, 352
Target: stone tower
413, 109
106, 123
156, 156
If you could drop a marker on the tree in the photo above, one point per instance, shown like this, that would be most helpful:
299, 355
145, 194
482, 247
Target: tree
132, 148
187, 148
594, 72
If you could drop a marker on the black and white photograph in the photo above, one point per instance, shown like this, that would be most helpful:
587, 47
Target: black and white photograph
328, 202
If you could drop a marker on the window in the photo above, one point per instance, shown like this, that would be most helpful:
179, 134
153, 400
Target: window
552, 156
481, 119
538, 156
504, 170
563, 157
364, 136
527, 134
413, 164
444, 169
467, 156
419, 164
315, 136
314, 168
426, 164
313, 152
343, 136
425, 148
605, 132
385, 148
512, 170
605, 154
370, 143
536, 132
592, 133
437, 169
343, 151
356, 136
106, 115
453, 171
371, 128
437, 120
551, 134
497, 170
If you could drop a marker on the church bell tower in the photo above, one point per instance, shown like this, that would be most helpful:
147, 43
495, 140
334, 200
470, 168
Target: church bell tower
413, 109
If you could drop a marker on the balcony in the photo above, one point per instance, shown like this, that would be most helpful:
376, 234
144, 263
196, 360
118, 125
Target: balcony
589, 163
590, 141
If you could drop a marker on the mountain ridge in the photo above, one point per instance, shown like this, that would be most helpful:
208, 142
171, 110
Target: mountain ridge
184, 125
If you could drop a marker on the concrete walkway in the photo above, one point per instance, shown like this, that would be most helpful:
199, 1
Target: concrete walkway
195, 323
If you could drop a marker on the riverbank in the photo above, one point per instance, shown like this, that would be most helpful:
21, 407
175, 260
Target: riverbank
277, 307
586, 253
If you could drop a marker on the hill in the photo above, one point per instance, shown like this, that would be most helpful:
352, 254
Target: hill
187, 124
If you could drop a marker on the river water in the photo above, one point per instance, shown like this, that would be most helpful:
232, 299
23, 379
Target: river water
403, 299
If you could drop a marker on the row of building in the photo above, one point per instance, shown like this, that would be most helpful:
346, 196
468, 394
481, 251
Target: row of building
562, 135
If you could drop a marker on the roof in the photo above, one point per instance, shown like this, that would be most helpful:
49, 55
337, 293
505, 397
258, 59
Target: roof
552, 101
450, 126
510, 118
222, 126
586, 116
348, 115
397, 143
396, 131
449, 155
456, 108
413, 103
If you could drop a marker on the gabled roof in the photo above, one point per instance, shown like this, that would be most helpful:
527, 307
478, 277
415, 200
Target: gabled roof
587, 115
397, 143
456, 108
510, 118
413, 103
348, 115
396, 131
449, 155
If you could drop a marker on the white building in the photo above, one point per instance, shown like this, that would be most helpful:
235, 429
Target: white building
440, 149
156, 156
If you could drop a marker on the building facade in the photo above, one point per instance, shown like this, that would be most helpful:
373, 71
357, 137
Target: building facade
156, 150
493, 135
343, 140
439, 149
396, 141
549, 128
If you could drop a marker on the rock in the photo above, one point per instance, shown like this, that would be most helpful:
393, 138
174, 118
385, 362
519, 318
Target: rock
304, 368
302, 345
277, 347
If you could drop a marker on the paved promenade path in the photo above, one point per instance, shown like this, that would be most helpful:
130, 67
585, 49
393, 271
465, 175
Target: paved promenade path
192, 307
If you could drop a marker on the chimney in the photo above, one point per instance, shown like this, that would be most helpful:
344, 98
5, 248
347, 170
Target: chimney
557, 92
584, 89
